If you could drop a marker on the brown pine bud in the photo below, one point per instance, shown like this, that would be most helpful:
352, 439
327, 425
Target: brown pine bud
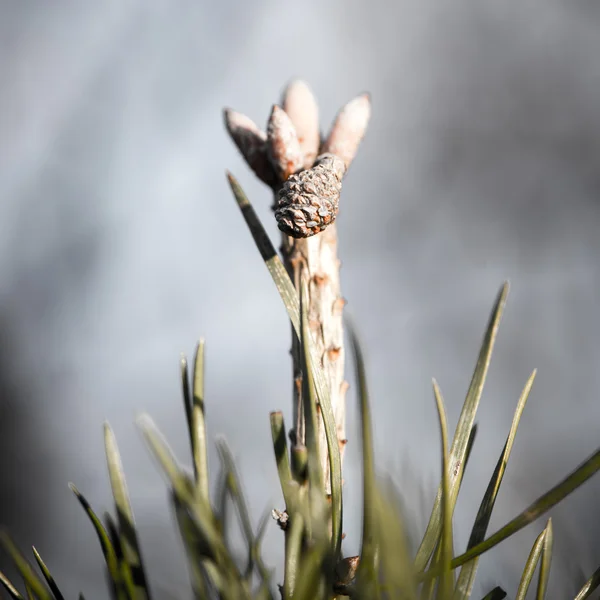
252, 144
283, 147
345, 574
301, 106
349, 129
308, 201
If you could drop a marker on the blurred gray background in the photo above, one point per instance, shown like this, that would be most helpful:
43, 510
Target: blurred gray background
120, 245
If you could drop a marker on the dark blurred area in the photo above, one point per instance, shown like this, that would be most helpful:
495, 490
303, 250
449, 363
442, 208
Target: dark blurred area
120, 245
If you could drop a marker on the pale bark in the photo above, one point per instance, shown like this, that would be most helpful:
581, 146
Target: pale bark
315, 260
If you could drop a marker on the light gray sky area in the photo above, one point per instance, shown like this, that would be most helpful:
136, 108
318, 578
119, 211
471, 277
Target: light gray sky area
120, 245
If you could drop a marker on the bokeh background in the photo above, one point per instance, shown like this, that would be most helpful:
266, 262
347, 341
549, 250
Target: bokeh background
120, 245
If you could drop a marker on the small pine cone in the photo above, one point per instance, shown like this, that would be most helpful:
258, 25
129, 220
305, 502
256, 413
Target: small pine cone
308, 201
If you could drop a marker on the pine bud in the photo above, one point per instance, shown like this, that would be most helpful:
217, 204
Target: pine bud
345, 574
252, 144
301, 106
308, 201
349, 129
283, 146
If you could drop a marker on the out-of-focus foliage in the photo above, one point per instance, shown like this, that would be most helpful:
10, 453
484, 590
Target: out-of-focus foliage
314, 565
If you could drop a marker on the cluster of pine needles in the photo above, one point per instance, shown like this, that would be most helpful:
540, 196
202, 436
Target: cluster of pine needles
314, 566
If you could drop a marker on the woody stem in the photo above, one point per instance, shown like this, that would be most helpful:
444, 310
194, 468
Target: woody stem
315, 260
